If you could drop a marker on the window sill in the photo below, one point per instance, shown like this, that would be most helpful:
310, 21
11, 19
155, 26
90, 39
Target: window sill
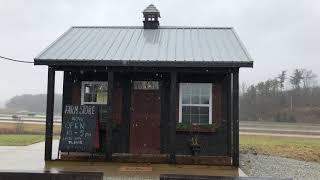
197, 129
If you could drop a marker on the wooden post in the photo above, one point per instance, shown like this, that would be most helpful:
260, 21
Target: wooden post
109, 117
235, 95
172, 116
227, 105
49, 114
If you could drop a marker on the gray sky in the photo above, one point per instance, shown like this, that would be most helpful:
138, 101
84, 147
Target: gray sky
279, 35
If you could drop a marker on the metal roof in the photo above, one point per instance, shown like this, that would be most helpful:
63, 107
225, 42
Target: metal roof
151, 9
167, 45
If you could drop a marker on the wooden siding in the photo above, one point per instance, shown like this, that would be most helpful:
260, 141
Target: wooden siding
214, 144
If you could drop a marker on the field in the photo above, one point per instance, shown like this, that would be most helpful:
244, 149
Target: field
19, 140
26, 128
306, 149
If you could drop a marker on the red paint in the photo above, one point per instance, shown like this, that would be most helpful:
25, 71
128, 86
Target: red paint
145, 122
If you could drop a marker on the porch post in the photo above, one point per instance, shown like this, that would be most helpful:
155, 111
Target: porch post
49, 114
235, 117
228, 111
109, 119
172, 116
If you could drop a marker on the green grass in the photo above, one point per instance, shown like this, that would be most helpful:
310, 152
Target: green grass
19, 140
307, 149
273, 140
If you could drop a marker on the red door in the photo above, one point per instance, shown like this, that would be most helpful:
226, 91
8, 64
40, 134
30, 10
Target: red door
145, 122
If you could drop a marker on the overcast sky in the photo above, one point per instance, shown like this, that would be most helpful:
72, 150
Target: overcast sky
279, 34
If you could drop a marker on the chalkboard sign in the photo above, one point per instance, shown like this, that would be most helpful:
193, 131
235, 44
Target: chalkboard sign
79, 126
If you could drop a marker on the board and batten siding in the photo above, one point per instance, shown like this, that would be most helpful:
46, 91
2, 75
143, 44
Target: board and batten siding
214, 143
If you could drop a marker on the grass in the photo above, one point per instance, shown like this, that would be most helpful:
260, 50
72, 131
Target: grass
306, 149
19, 140
12, 134
25, 128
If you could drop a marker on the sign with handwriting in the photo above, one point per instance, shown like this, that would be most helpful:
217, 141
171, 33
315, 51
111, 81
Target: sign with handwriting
78, 128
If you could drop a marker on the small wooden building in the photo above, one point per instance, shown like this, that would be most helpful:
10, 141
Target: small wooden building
160, 91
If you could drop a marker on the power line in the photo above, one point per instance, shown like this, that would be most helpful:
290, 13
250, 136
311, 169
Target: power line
15, 60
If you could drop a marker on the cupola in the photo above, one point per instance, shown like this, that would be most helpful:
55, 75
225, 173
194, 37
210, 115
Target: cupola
151, 15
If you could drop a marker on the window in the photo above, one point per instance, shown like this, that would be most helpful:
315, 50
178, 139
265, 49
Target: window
195, 103
94, 92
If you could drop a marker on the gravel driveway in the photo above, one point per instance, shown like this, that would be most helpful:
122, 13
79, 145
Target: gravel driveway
278, 167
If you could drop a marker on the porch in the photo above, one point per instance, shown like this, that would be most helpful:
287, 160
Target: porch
33, 162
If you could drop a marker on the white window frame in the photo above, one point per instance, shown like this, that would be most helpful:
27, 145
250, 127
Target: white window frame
210, 101
83, 89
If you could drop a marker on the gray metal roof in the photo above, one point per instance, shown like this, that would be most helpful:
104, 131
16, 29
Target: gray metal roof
135, 44
151, 9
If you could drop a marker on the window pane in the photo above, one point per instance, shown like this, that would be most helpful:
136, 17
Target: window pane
89, 88
204, 110
204, 99
185, 109
102, 97
186, 119
87, 98
195, 99
204, 119
195, 110
102, 87
186, 99
186, 89
93, 98
194, 119
195, 90
205, 90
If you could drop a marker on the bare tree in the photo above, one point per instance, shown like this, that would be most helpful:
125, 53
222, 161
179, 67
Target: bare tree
308, 78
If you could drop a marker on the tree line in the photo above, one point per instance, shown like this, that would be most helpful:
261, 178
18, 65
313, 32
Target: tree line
287, 97
34, 103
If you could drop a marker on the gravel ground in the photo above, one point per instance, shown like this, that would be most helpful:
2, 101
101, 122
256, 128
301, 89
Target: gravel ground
278, 167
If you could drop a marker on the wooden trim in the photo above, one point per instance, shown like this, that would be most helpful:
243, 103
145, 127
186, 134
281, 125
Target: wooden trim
227, 112
172, 114
154, 158
109, 117
49, 114
188, 64
235, 153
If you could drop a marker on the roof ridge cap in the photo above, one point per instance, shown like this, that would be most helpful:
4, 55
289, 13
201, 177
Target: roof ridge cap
160, 27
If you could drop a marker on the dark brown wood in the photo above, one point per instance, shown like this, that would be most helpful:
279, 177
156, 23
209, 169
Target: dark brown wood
235, 99
165, 109
217, 105
228, 111
145, 122
109, 123
125, 130
116, 63
66, 92
172, 114
49, 114
127, 69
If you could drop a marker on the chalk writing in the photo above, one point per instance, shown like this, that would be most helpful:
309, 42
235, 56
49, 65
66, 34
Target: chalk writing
78, 128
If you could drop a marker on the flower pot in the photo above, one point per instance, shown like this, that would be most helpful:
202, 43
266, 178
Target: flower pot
195, 150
